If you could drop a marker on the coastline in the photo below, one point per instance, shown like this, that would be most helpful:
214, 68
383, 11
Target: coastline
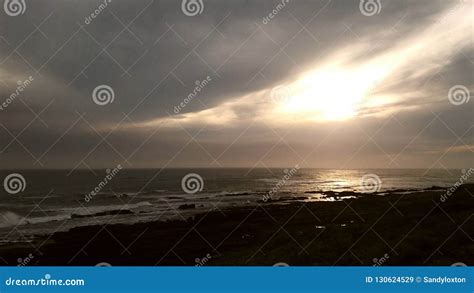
398, 228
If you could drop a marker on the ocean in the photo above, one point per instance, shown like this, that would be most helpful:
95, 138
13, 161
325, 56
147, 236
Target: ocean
56, 200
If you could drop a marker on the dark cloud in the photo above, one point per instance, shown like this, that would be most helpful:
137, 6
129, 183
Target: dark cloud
151, 54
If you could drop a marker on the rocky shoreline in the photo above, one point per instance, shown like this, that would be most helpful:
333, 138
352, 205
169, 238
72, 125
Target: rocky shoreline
397, 228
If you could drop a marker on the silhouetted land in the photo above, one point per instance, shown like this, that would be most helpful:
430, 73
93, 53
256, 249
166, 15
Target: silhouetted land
395, 229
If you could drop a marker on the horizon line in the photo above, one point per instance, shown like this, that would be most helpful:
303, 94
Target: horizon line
220, 168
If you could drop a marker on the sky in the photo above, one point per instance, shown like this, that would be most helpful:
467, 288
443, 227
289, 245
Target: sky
254, 84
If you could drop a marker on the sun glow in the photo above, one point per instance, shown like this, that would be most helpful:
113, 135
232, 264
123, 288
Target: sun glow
344, 86
329, 93
339, 90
